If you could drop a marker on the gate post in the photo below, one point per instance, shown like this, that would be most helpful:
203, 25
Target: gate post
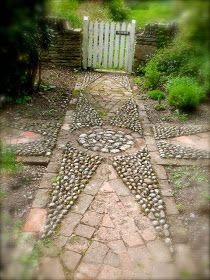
132, 43
85, 42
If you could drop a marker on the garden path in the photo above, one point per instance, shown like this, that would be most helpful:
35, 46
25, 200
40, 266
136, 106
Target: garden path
111, 231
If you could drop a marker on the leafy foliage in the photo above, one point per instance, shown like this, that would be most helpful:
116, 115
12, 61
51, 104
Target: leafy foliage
147, 11
184, 92
156, 94
119, 10
23, 33
187, 57
66, 10
152, 75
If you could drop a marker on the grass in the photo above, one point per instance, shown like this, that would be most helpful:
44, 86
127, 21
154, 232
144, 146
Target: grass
184, 177
73, 11
102, 113
2, 195
142, 11
65, 9
8, 163
182, 117
175, 116
145, 12
30, 260
185, 274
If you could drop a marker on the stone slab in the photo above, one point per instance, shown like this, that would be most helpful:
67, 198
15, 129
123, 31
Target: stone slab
35, 220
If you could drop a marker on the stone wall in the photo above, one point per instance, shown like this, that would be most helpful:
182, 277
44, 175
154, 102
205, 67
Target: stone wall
66, 45
151, 38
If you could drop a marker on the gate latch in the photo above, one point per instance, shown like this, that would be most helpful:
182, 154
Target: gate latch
122, 33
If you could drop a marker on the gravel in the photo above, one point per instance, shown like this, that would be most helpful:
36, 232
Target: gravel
128, 117
49, 132
162, 131
106, 140
85, 115
75, 171
168, 150
137, 173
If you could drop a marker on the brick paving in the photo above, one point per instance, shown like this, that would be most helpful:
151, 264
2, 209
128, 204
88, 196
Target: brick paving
105, 235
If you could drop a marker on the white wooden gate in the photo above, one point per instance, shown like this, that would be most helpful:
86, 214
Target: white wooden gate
108, 45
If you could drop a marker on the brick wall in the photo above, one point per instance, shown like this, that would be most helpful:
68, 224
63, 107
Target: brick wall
150, 38
66, 45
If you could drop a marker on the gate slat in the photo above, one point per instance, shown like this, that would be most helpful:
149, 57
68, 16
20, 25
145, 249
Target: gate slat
127, 47
101, 38
103, 48
95, 44
122, 46
85, 42
106, 40
116, 47
90, 47
111, 44
132, 43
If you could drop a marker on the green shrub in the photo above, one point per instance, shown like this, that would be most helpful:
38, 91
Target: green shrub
168, 61
184, 92
119, 10
141, 69
204, 75
179, 59
152, 76
156, 94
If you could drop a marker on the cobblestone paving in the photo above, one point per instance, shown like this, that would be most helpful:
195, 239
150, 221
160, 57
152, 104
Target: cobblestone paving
100, 91
46, 137
105, 234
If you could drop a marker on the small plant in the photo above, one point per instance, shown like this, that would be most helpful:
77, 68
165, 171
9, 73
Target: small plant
55, 179
140, 69
138, 80
156, 94
180, 116
159, 107
180, 207
74, 239
46, 87
18, 100
152, 76
102, 113
184, 92
51, 112
23, 99
75, 92
206, 196
167, 118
